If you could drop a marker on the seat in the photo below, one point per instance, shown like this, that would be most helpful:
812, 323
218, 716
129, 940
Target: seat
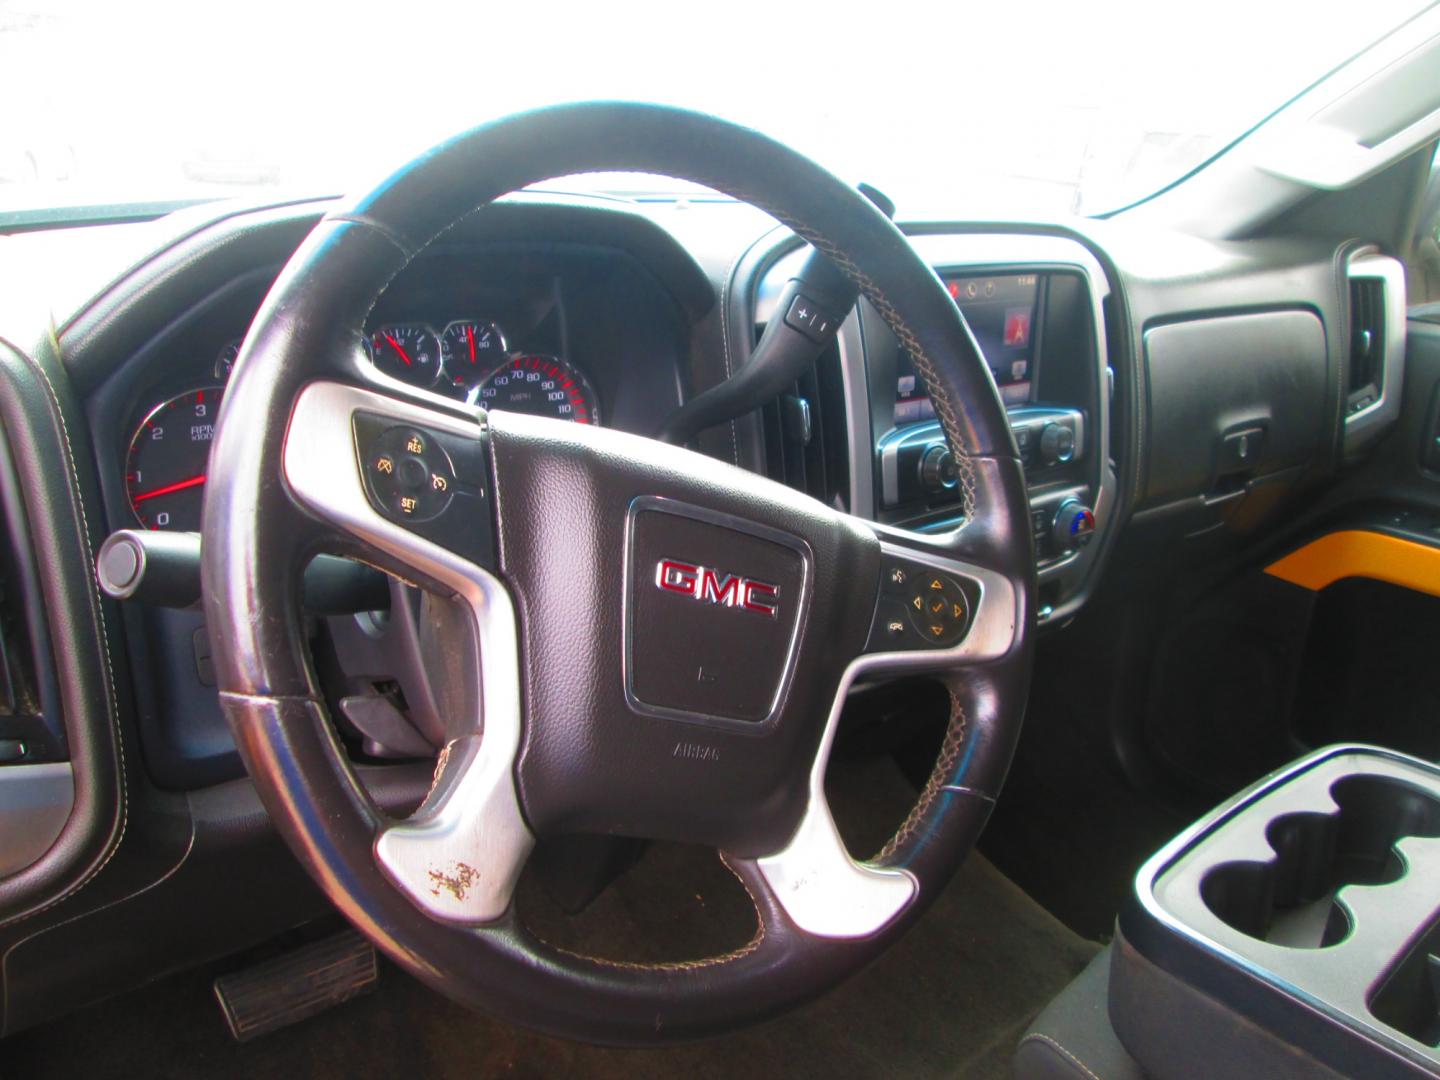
1072, 1039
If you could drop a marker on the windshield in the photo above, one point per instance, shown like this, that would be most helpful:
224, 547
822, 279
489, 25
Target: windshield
1006, 109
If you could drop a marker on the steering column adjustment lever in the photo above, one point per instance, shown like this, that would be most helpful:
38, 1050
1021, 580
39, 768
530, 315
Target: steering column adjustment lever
163, 569
808, 316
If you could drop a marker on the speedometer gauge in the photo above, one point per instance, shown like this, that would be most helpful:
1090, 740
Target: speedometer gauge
169, 454
540, 386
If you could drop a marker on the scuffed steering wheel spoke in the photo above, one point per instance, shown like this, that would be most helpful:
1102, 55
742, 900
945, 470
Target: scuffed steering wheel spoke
937, 610
823, 889
366, 465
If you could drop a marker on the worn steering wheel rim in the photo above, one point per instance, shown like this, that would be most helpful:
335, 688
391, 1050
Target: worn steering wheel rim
286, 482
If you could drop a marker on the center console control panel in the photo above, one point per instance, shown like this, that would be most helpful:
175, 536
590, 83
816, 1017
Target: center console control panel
916, 464
1038, 324
1034, 306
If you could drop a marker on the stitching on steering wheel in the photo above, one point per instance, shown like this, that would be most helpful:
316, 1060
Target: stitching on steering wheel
944, 408
949, 753
685, 965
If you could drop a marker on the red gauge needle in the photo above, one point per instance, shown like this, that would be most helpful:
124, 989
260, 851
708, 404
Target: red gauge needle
396, 346
169, 489
470, 333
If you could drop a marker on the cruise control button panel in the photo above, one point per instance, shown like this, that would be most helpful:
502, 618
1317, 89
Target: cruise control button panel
409, 475
921, 607
433, 483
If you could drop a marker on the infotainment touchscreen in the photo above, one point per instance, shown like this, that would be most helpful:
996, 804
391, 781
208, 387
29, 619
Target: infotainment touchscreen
1001, 313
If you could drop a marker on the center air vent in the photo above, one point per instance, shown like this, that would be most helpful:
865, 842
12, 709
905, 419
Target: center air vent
1375, 348
806, 445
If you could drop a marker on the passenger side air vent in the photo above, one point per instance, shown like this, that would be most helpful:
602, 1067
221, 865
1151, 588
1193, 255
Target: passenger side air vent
1367, 340
806, 442
1375, 348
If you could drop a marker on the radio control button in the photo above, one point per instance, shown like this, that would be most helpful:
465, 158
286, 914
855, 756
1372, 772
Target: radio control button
938, 609
920, 607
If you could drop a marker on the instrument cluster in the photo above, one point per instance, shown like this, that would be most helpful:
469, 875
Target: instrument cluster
168, 453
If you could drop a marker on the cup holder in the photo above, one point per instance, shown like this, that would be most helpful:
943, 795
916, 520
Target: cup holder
1409, 997
1289, 899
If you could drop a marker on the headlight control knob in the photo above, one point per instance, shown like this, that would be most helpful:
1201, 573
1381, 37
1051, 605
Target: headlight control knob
937, 469
1057, 444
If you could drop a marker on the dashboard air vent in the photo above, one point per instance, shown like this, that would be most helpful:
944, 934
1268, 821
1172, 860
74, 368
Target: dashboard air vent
806, 443
1367, 336
1375, 350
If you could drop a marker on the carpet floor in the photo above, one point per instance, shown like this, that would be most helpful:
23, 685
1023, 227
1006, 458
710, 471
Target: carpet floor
950, 1000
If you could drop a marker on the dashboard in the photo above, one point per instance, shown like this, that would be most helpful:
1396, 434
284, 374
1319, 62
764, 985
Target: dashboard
1169, 397
618, 315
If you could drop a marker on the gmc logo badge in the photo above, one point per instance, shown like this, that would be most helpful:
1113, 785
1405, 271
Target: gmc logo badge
717, 587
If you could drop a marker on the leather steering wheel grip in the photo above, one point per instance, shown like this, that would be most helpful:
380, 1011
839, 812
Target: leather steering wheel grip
257, 540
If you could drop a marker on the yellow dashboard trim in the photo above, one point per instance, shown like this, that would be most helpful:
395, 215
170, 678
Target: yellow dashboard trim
1360, 553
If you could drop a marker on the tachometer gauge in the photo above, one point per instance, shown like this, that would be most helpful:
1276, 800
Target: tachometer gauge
407, 351
470, 351
169, 455
541, 386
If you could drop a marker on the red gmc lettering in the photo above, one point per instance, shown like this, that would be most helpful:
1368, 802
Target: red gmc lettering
717, 587
676, 576
761, 598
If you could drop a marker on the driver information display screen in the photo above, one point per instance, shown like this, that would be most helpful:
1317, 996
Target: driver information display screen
1001, 313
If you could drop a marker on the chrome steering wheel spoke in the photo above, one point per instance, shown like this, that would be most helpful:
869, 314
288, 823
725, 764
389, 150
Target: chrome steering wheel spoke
459, 856
823, 889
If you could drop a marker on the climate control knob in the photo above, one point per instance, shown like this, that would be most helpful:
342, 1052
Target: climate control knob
937, 469
1074, 526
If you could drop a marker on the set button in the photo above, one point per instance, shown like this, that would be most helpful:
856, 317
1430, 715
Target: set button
410, 478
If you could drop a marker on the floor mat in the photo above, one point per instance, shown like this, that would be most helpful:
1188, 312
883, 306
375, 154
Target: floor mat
1070, 828
950, 1000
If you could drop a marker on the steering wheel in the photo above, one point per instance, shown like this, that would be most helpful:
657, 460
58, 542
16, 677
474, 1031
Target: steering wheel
638, 640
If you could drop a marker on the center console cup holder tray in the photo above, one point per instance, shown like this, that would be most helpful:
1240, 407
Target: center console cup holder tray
1291, 895
1309, 905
